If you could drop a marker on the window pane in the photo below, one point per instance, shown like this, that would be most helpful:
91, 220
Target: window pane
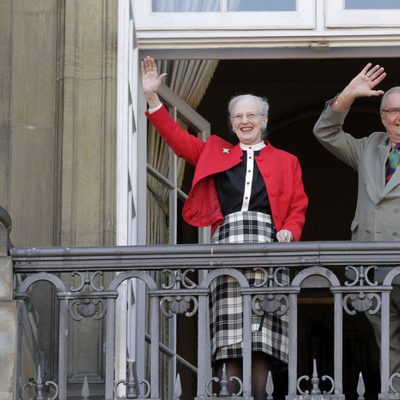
185, 5
262, 5
372, 4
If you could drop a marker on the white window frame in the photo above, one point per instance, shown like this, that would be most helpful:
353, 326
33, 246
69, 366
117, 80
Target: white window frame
131, 198
126, 124
337, 16
302, 18
128, 228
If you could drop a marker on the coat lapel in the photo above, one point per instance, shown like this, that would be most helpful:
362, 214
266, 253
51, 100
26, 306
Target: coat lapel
394, 181
220, 157
225, 157
380, 171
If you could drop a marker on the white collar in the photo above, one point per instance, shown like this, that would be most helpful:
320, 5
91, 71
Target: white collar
254, 147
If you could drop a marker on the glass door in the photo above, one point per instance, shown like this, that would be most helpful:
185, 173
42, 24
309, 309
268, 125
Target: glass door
362, 13
225, 14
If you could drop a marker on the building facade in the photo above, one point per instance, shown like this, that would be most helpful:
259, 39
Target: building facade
80, 167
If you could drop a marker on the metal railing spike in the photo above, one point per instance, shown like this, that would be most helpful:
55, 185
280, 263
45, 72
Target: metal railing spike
132, 384
315, 379
360, 387
177, 388
315, 393
269, 387
85, 389
39, 386
224, 382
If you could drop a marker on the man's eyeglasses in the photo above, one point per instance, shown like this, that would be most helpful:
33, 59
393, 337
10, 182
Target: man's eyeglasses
249, 116
392, 112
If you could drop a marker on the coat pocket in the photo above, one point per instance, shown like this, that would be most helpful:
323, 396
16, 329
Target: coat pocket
354, 225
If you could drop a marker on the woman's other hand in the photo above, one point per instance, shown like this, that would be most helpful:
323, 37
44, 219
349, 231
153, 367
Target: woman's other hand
284, 236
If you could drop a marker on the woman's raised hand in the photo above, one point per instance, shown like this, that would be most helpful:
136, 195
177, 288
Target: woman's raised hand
151, 80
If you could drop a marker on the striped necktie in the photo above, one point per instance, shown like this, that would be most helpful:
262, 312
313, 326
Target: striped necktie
392, 162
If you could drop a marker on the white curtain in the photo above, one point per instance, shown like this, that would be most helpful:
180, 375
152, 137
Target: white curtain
189, 79
186, 5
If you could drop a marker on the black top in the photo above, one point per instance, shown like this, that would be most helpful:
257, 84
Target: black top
231, 184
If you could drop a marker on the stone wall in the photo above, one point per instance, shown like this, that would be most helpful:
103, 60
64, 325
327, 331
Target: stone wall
8, 315
58, 120
58, 146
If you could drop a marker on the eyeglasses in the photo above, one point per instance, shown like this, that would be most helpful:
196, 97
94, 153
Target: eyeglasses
393, 112
249, 116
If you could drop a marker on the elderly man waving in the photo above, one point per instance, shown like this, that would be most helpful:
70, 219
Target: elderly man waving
376, 159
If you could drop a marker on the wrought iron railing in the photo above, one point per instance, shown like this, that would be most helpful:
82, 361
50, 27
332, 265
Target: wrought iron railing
344, 269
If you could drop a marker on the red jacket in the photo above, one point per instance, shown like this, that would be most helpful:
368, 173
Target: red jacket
280, 170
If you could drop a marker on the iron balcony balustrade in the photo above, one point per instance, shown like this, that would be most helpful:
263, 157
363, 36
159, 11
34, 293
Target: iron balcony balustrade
310, 265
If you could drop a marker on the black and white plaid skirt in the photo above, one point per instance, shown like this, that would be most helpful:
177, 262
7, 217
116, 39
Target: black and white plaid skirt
269, 333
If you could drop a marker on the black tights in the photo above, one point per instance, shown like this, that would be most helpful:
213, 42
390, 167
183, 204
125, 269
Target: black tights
261, 365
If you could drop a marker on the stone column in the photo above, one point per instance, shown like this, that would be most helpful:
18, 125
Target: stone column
8, 314
57, 152
88, 161
89, 123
